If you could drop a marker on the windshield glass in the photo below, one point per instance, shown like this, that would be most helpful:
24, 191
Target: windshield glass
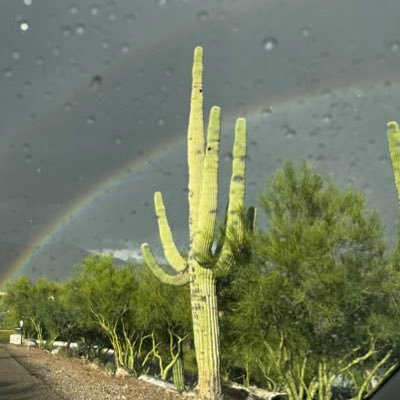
95, 102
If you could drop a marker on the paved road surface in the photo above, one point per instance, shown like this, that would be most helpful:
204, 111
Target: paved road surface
17, 383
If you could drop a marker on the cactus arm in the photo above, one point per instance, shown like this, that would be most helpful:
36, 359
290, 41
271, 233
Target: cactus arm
393, 134
236, 192
195, 141
179, 279
172, 254
209, 191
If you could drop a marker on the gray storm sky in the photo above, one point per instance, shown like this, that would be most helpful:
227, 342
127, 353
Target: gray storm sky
97, 89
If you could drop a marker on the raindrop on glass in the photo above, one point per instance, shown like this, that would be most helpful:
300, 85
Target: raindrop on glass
267, 111
161, 122
168, 72
38, 170
16, 55
125, 48
227, 157
39, 60
117, 139
80, 29
28, 158
111, 17
28, 2
68, 107
327, 118
270, 43
7, 72
130, 18
24, 26
94, 9
96, 82
73, 9
90, 120
26, 146
305, 31
288, 132
395, 46
202, 15
66, 31
383, 159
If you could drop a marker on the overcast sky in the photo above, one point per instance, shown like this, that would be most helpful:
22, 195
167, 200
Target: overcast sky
94, 102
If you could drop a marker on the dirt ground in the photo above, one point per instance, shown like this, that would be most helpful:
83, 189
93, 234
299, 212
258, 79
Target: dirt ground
73, 379
70, 378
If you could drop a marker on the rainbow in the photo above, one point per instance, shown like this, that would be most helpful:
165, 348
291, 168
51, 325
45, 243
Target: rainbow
77, 206
82, 202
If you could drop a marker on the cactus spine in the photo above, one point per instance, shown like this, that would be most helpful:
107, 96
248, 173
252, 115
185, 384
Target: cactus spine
203, 196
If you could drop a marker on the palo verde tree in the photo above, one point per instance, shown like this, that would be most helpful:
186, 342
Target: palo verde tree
316, 280
201, 266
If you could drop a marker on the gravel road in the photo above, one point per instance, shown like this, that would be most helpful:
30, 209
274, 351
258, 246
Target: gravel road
17, 383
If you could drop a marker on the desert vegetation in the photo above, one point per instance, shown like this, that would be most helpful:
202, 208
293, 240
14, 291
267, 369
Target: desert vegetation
308, 308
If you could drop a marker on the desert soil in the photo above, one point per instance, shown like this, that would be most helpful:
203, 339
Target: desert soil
30, 373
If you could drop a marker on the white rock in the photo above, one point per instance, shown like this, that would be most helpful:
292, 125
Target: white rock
121, 372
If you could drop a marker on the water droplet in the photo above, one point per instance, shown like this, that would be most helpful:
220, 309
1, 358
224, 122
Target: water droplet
327, 118
227, 157
394, 46
26, 146
80, 29
28, 2
383, 159
117, 139
288, 132
305, 31
129, 18
73, 8
68, 106
28, 158
66, 31
161, 122
270, 43
168, 71
96, 82
266, 112
105, 44
90, 120
39, 60
38, 170
202, 15
7, 72
94, 9
16, 55
24, 26
111, 16
125, 48
56, 51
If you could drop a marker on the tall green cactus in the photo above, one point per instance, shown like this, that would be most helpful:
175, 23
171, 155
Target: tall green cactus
393, 134
203, 196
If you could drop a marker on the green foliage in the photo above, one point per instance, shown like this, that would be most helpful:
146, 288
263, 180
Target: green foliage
311, 277
40, 305
298, 309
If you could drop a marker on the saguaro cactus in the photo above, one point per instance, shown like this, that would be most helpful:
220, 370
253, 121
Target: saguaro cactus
197, 270
393, 134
